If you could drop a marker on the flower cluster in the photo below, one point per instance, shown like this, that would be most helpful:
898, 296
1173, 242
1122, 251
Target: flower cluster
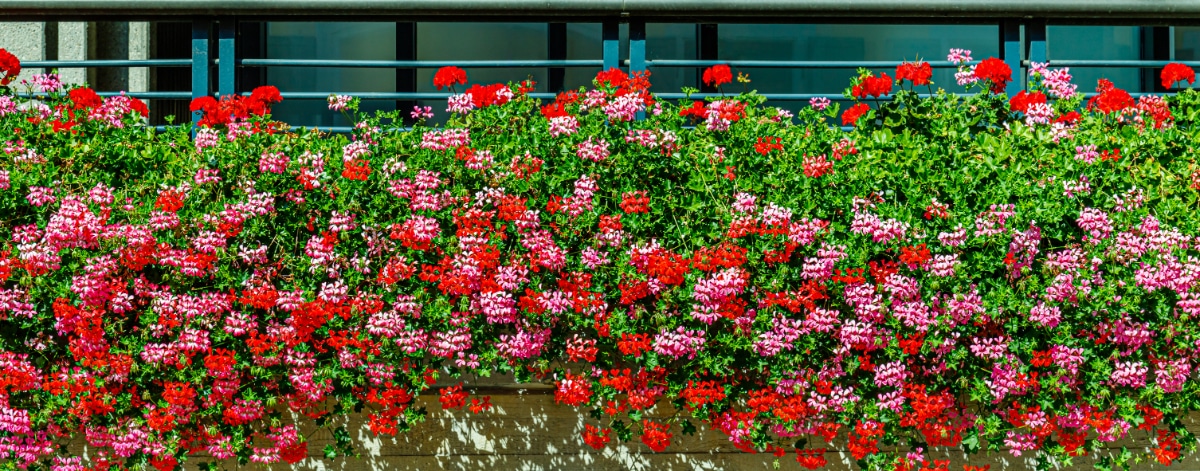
232, 111
1009, 272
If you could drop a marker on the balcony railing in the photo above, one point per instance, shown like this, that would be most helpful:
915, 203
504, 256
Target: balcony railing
1022, 25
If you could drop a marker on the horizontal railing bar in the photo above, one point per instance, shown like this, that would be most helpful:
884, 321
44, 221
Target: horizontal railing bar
839, 97
383, 95
769, 96
110, 63
1116, 63
147, 95
152, 95
419, 64
788, 64
712, 9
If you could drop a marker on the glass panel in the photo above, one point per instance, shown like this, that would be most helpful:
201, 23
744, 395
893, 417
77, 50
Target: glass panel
348, 41
846, 43
584, 41
671, 41
1187, 43
1096, 43
482, 41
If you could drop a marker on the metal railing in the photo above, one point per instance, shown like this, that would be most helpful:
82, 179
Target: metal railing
1021, 23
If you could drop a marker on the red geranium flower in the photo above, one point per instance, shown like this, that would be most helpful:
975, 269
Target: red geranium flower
266, 94
84, 98
613, 77
483, 96
203, 103
718, 75
1021, 101
1109, 98
10, 65
1070, 118
139, 106
1175, 72
764, 146
851, 115
448, 76
655, 435
870, 85
635, 202
918, 73
698, 110
295, 453
595, 437
995, 71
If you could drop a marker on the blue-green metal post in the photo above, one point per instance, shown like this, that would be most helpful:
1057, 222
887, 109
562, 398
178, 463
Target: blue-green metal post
637, 46
1010, 52
611, 34
200, 39
637, 51
227, 45
1035, 45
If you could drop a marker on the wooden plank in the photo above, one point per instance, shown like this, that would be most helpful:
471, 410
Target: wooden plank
531, 432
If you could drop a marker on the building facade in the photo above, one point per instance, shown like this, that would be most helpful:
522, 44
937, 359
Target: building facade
455, 41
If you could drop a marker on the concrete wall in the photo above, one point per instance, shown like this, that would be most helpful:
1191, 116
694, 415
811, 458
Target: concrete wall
530, 432
83, 40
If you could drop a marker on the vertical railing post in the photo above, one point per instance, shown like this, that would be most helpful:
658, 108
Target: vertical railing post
637, 51
556, 49
1011, 52
200, 61
227, 50
611, 34
1036, 49
637, 46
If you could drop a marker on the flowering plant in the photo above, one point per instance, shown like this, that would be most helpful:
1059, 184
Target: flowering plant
954, 271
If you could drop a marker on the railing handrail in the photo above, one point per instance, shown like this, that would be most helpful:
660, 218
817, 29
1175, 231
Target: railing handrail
1174, 10
110, 63
215, 60
417, 64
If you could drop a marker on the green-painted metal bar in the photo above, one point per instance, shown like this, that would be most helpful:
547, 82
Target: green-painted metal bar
414, 64
227, 45
1010, 52
637, 46
781, 10
611, 34
637, 51
769, 96
200, 40
1035, 48
109, 63
383, 95
152, 95
1118, 63
146, 95
786, 64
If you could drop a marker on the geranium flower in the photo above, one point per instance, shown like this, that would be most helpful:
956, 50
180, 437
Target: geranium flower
918, 73
870, 85
717, 75
1109, 98
449, 76
994, 71
10, 65
851, 115
1175, 72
